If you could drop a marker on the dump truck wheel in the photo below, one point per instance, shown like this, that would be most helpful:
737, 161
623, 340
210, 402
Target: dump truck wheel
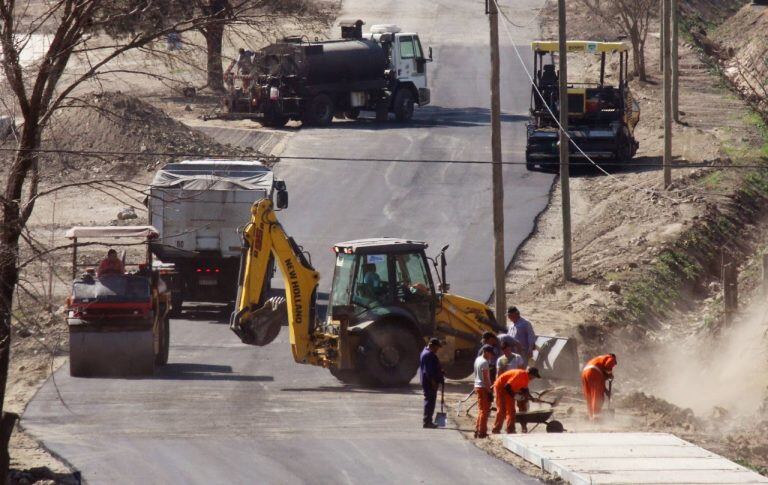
176, 304
404, 103
320, 111
391, 355
165, 342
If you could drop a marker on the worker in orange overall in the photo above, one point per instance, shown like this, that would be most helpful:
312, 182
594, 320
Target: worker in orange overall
509, 387
593, 378
483, 385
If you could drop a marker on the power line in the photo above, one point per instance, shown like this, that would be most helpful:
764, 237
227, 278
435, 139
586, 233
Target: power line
102, 153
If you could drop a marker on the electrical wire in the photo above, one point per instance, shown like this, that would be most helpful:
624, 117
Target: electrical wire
224, 156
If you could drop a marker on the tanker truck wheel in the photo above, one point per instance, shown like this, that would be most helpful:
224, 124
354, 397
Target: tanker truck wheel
274, 121
352, 114
391, 355
404, 105
319, 111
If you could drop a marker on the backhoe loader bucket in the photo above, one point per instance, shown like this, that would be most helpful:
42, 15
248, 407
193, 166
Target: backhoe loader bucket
260, 327
557, 358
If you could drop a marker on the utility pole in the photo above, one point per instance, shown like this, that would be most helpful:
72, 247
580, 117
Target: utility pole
675, 62
565, 182
661, 37
667, 96
499, 265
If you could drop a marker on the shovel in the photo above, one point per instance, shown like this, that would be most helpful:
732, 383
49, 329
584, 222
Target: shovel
610, 412
440, 418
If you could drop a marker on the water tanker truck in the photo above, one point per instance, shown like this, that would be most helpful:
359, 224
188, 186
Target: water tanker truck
384, 71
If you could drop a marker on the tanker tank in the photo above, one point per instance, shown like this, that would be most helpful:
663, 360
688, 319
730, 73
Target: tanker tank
320, 63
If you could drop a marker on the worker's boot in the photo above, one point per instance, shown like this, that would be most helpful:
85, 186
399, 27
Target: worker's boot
429, 425
524, 427
511, 430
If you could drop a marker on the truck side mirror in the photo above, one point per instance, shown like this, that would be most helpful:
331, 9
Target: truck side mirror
430, 54
281, 199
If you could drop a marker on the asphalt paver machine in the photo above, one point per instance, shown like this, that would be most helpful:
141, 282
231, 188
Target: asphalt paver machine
601, 116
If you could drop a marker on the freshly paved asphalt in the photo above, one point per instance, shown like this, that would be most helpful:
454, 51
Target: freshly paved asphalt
222, 412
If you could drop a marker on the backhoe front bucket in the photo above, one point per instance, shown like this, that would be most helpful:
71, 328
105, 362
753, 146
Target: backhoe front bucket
260, 327
557, 358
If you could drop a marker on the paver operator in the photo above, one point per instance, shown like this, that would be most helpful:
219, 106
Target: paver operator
593, 378
509, 387
483, 384
431, 374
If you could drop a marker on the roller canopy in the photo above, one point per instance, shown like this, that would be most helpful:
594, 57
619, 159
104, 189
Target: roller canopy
112, 231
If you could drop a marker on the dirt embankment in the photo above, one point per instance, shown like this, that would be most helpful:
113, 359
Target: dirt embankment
647, 261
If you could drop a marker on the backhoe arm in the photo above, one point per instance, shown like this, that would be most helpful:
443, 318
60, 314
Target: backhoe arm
259, 325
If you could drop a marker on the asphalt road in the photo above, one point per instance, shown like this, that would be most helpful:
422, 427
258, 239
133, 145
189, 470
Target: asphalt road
222, 412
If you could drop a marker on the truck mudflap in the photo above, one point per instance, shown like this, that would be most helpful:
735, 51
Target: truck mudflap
425, 96
557, 358
111, 350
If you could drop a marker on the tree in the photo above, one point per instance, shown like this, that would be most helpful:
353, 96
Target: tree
36, 91
634, 17
260, 17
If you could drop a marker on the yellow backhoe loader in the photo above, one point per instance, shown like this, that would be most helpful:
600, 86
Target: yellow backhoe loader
383, 306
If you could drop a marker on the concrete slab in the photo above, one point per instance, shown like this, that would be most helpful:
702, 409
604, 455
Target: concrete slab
627, 458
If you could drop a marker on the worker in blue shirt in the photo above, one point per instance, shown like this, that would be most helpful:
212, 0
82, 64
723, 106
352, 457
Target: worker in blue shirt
431, 374
522, 331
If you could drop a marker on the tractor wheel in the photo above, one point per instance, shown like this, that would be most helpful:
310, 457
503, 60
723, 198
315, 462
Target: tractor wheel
459, 369
391, 355
348, 376
404, 103
165, 342
319, 111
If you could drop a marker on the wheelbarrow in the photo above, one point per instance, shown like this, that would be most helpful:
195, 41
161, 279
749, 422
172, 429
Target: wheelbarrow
537, 417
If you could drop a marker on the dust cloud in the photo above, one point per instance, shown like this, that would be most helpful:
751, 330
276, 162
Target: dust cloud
722, 374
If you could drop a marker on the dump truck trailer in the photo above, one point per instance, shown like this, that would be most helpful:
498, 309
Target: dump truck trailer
197, 207
384, 71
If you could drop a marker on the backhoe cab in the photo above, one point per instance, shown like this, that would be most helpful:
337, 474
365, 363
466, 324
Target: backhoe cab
601, 116
383, 307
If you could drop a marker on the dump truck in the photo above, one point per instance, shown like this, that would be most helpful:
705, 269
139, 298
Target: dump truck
384, 71
197, 207
385, 303
601, 116
118, 322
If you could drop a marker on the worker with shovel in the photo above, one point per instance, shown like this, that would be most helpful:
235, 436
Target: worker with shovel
509, 387
593, 378
431, 374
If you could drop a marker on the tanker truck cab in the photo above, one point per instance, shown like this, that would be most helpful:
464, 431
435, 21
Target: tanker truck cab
408, 67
